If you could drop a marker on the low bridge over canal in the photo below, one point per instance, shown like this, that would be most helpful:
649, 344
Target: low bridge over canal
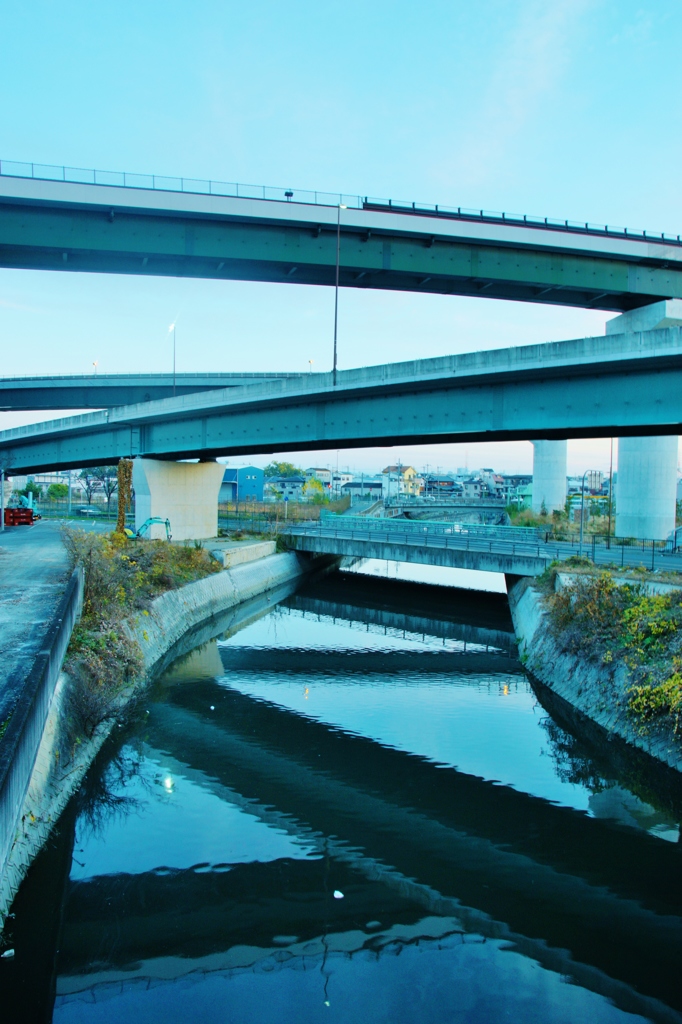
515, 551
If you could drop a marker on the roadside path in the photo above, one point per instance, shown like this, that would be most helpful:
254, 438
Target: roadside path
34, 571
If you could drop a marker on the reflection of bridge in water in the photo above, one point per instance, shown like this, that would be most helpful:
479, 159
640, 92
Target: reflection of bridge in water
441, 612
412, 840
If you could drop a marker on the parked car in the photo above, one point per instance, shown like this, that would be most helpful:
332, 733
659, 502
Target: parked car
90, 512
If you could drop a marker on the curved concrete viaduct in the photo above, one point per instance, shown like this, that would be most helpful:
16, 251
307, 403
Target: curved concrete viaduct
589, 387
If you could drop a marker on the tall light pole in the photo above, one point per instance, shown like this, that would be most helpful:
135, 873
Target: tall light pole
172, 328
582, 509
610, 494
336, 289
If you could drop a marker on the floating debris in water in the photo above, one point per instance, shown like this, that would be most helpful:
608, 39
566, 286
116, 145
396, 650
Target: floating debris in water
338, 895
8, 954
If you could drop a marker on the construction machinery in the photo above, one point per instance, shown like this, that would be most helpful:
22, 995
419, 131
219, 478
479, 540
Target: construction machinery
139, 534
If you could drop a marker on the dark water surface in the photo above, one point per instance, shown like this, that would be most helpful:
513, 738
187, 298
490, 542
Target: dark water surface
356, 808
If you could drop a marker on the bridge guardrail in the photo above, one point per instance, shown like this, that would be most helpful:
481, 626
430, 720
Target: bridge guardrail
206, 186
548, 547
419, 526
521, 533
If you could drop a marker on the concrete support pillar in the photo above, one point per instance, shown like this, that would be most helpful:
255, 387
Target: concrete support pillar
186, 493
646, 488
549, 475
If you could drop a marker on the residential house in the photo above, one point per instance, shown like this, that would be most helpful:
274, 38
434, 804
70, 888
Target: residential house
363, 487
242, 483
286, 488
401, 480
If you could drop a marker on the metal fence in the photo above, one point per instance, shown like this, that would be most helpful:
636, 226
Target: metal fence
206, 186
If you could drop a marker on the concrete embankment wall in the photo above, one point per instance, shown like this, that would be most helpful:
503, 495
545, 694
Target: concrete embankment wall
594, 690
176, 622
26, 725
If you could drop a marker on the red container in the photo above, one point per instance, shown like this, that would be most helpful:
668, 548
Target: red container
18, 516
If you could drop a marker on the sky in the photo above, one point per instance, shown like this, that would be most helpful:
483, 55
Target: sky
562, 108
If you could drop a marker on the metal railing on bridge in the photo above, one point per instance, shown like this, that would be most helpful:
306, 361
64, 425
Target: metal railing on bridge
626, 552
420, 526
206, 186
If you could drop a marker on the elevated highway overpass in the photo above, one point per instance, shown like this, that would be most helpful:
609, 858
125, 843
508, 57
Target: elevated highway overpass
69, 219
589, 387
107, 390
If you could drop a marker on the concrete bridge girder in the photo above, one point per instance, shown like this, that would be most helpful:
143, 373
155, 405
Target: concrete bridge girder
68, 226
398, 551
543, 391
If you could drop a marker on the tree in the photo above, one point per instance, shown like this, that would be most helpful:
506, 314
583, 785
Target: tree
31, 488
543, 509
282, 469
91, 483
57, 491
313, 490
108, 478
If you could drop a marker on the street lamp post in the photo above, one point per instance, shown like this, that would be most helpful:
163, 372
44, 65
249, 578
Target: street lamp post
336, 287
608, 543
172, 328
582, 510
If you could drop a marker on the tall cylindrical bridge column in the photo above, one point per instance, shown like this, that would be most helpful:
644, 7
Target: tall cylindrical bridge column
646, 488
549, 475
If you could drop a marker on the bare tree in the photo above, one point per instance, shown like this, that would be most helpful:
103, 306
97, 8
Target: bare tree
108, 478
91, 483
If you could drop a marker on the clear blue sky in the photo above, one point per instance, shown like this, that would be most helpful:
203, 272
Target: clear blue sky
565, 108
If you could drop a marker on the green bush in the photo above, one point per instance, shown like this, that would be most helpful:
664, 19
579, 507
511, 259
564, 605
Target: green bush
121, 577
621, 624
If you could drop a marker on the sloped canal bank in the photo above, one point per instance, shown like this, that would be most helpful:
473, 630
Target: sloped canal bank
354, 807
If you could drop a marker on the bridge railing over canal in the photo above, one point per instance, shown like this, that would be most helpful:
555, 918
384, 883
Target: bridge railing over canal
536, 548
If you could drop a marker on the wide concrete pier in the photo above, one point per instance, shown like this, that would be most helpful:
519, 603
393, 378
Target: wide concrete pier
186, 493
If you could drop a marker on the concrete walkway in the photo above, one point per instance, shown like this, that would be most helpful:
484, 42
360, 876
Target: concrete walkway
33, 574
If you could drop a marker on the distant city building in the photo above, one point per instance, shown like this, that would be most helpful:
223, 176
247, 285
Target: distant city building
339, 479
363, 487
441, 486
321, 473
401, 480
243, 483
514, 486
289, 488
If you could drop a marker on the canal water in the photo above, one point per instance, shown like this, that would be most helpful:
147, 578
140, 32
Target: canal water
353, 806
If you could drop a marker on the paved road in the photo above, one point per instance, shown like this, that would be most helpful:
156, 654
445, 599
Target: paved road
34, 571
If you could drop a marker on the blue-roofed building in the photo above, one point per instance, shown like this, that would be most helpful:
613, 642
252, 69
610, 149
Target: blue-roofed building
244, 483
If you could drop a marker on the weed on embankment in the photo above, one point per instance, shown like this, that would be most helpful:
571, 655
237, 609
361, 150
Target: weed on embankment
620, 623
122, 578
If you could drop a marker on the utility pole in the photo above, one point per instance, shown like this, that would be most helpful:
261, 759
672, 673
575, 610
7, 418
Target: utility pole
336, 288
608, 542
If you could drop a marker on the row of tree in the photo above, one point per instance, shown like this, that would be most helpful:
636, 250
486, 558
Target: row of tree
96, 480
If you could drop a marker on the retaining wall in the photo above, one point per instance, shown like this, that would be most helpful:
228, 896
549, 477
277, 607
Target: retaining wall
38, 790
23, 734
592, 689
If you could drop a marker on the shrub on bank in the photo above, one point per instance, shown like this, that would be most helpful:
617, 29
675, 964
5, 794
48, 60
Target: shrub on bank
621, 624
121, 577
